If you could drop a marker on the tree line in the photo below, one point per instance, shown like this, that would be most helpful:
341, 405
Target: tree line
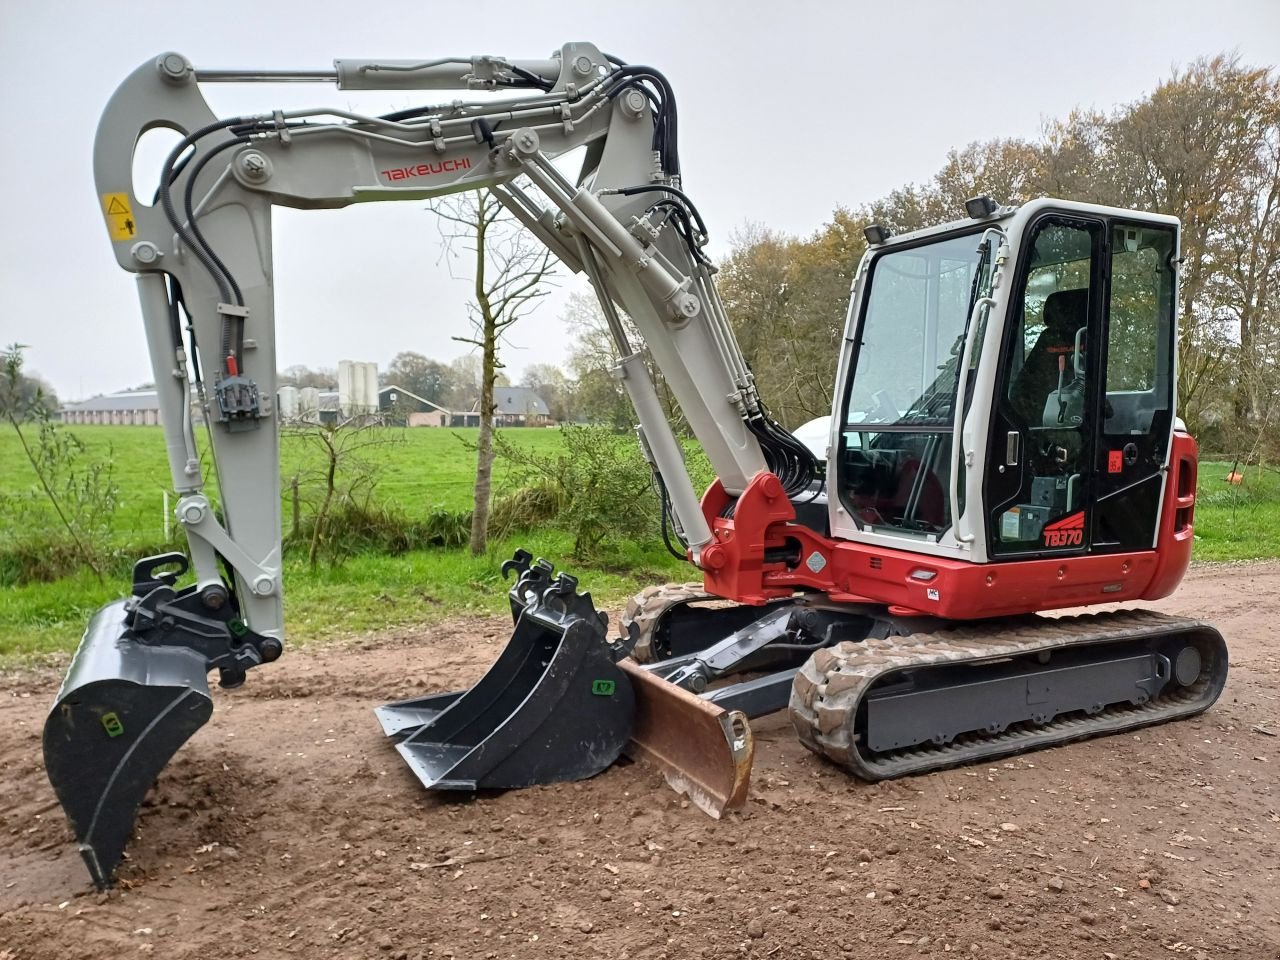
1204, 146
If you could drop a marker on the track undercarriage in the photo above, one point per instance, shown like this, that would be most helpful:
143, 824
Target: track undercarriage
885, 696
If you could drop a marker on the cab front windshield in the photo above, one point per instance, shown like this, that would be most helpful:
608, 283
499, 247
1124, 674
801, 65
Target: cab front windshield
896, 442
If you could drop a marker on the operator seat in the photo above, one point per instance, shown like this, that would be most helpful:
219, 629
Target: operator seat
1065, 312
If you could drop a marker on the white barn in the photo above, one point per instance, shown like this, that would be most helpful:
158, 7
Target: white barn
126, 408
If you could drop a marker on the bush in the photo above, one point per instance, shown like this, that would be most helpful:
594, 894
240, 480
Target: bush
598, 488
65, 519
362, 525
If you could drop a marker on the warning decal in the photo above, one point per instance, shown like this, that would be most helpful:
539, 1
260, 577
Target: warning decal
120, 222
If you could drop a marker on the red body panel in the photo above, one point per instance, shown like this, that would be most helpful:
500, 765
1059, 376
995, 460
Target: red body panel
737, 565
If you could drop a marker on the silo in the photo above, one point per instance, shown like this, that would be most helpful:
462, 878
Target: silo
346, 388
358, 389
371, 387
309, 405
287, 402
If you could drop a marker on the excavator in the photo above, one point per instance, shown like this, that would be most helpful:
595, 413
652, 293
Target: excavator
1003, 447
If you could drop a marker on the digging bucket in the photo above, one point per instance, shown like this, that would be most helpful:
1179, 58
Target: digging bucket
553, 707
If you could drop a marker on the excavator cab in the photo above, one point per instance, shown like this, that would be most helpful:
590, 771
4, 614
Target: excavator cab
1055, 439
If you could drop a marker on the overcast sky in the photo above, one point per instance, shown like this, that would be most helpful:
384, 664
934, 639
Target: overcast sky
786, 110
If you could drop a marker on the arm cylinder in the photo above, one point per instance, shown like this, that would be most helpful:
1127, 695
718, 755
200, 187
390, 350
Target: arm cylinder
454, 73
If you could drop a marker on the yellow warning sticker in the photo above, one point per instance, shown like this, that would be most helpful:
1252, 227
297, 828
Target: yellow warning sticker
120, 222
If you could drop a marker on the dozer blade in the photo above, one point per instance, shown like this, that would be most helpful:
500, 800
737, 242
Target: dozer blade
702, 749
553, 707
122, 712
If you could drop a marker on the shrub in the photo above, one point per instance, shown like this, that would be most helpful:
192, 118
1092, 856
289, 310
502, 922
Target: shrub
597, 487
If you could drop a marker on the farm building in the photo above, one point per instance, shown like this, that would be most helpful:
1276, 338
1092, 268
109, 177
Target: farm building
125, 408
404, 406
513, 407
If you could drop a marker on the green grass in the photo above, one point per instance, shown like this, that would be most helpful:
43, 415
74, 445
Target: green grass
421, 469
425, 469
434, 468
1237, 522
367, 593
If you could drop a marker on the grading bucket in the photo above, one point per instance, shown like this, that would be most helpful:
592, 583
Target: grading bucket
122, 712
136, 691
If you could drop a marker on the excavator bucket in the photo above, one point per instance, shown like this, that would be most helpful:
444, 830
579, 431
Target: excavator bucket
554, 706
560, 703
136, 691
122, 712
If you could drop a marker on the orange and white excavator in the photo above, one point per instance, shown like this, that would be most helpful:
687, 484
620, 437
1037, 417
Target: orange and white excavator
1003, 442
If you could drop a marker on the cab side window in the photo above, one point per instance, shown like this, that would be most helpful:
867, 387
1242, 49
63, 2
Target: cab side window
1140, 320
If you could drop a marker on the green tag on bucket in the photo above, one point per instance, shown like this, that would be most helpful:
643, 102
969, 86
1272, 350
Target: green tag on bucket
111, 723
602, 688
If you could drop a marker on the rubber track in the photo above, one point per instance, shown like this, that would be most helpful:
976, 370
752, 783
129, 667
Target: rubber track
831, 684
647, 608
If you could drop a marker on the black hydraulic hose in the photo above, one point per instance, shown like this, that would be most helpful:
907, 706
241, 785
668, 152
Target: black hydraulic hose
665, 130
188, 207
673, 191
662, 141
232, 338
791, 461
668, 524
540, 82
409, 113
167, 177
175, 321
680, 217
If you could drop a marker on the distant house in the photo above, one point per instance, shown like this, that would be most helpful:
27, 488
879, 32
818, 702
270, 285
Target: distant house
397, 403
126, 408
519, 407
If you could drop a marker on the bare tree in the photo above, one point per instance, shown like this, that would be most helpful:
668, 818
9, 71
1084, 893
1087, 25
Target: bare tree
511, 273
344, 478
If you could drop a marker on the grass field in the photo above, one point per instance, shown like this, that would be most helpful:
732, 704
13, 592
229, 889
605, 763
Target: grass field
420, 468
426, 469
419, 471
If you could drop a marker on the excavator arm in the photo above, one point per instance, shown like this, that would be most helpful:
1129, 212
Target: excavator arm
624, 222
201, 250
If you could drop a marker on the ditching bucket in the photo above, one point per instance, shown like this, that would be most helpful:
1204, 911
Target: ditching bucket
136, 690
122, 712
553, 707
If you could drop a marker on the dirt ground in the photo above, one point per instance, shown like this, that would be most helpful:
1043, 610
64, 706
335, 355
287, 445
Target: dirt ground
289, 827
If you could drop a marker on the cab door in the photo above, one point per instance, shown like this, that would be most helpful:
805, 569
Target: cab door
1043, 441
1137, 403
